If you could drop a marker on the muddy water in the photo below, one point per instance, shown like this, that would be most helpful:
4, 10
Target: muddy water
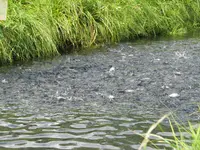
100, 100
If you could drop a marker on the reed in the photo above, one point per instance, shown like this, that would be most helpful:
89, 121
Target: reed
45, 28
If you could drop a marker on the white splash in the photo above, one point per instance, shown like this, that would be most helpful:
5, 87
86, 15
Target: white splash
174, 95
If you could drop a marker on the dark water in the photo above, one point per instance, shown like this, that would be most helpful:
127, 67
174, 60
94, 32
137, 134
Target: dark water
102, 100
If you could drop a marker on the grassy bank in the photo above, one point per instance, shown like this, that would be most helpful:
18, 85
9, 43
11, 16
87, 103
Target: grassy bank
44, 28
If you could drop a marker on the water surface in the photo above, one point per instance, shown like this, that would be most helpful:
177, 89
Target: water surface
101, 100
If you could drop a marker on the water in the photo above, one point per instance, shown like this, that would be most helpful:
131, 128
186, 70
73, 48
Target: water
103, 100
43, 128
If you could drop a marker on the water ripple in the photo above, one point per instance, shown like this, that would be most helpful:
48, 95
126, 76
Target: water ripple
67, 131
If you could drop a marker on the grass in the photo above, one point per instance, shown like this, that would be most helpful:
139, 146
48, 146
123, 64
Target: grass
188, 138
45, 28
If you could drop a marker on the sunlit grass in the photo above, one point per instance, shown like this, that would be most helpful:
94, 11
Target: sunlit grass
45, 28
188, 137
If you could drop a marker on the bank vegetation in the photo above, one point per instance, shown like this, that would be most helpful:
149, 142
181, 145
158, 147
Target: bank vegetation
45, 28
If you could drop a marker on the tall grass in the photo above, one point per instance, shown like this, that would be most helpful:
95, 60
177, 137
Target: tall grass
188, 137
44, 28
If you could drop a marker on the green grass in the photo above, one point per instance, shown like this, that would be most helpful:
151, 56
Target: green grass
45, 28
188, 137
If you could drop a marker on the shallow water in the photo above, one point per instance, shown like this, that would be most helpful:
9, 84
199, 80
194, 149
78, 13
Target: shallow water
75, 129
101, 100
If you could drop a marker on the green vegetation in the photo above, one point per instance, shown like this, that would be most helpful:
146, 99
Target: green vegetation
188, 136
44, 28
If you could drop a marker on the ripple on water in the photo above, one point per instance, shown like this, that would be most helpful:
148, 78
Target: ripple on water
74, 130
71, 131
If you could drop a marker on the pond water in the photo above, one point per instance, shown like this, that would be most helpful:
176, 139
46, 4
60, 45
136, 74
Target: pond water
101, 100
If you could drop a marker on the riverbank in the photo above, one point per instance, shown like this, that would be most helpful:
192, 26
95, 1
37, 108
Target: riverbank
44, 28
